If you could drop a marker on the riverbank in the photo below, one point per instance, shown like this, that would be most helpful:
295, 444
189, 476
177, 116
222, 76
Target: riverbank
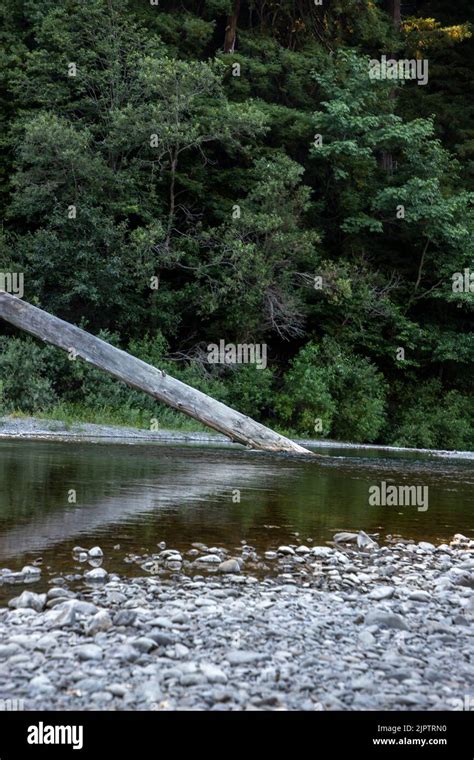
35, 428
348, 626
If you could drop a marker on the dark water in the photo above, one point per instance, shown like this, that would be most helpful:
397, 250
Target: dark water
137, 496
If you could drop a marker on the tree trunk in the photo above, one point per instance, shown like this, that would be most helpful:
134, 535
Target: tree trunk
231, 28
393, 9
137, 374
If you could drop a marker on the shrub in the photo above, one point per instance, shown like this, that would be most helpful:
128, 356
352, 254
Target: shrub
23, 375
434, 418
345, 391
250, 390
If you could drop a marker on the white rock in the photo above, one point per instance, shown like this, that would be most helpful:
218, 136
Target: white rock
382, 618
97, 574
321, 551
117, 689
419, 596
271, 555
30, 600
303, 550
244, 657
341, 558
88, 652
170, 554
381, 592
8, 650
144, 644
285, 550
31, 570
208, 559
66, 612
65, 616
96, 552
213, 673
100, 622
41, 683
180, 650
229, 566
175, 557
46, 642
426, 546
470, 605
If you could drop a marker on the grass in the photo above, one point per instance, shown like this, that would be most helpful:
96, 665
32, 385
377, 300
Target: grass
73, 414
70, 414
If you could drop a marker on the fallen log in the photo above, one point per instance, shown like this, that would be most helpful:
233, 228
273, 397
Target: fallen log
142, 376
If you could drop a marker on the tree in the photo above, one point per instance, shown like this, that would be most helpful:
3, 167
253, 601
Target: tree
97, 170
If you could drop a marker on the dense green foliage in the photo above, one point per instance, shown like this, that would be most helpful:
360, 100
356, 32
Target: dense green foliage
275, 192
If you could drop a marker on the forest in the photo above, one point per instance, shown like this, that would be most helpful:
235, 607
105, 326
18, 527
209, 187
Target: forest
180, 175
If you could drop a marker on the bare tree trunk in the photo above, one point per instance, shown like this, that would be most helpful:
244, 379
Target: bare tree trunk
137, 374
393, 9
231, 28
172, 199
387, 159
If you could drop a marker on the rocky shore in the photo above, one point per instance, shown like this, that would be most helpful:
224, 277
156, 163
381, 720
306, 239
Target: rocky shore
350, 626
38, 429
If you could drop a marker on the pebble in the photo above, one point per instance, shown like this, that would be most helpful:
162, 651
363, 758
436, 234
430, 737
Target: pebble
89, 652
242, 657
144, 644
41, 683
125, 652
48, 641
322, 551
229, 566
425, 546
381, 592
101, 621
366, 639
125, 617
31, 570
29, 599
161, 639
213, 673
161, 622
285, 550
79, 606
387, 619
192, 679
270, 555
98, 574
117, 689
208, 559
58, 592
101, 697
8, 650
322, 628
95, 552
419, 596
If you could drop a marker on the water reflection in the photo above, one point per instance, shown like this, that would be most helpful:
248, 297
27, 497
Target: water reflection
139, 495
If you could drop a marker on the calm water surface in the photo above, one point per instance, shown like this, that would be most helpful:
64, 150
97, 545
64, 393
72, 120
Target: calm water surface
137, 496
